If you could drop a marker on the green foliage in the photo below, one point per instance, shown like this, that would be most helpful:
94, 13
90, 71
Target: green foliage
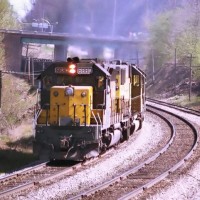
184, 101
7, 21
176, 29
16, 102
2, 53
187, 36
7, 16
160, 30
159, 45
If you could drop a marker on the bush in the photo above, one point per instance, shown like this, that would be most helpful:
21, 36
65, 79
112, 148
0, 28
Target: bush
17, 102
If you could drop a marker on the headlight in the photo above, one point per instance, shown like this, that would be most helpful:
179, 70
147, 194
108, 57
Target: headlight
72, 69
69, 91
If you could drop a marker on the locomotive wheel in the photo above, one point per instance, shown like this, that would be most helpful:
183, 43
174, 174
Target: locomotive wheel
141, 122
132, 129
126, 134
103, 148
140, 126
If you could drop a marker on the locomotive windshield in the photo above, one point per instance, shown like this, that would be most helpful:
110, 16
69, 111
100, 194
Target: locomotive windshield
75, 74
63, 74
98, 82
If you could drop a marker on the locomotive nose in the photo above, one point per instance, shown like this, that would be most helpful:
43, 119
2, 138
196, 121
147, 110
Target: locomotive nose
71, 106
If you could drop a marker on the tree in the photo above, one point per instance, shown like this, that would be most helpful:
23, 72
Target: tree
159, 39
7, 16
176, 29
7, 21
186, 34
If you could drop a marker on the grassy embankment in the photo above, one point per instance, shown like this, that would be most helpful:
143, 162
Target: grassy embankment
193, 103
16, 123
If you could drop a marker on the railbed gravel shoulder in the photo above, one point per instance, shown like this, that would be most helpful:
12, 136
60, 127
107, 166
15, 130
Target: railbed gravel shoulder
138, 146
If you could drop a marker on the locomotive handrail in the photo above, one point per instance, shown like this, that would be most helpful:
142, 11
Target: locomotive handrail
104, 99
95, 120
37, 114
99, 119
136, 97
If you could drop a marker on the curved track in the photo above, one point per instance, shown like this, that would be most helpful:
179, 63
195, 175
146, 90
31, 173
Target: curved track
180, 147
181, 108
30, 177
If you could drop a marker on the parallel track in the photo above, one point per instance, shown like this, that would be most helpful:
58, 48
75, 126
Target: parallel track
180, 108
37, 175
153, 170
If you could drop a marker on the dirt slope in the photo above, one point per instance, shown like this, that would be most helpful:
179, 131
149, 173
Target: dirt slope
171, 81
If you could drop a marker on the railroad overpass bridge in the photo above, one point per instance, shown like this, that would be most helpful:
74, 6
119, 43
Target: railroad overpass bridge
15, 39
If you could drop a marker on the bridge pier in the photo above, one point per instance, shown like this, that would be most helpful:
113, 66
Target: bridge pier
96, 52
60, 52
13, 52
127, 52
117, 53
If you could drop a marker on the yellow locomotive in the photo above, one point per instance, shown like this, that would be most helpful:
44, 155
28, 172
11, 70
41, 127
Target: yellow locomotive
87, 106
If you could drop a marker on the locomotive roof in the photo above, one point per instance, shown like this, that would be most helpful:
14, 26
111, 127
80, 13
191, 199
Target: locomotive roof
138, 70
102, 67
51, 67
124, 65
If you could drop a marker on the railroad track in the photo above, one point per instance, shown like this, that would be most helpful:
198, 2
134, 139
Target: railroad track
135, 175
180, 108
33, 176
37, 175
174, 154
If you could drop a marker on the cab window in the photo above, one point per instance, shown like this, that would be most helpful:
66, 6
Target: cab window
136, 80
100, 82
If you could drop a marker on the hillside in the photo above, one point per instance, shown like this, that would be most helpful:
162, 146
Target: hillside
173, 86
16, 119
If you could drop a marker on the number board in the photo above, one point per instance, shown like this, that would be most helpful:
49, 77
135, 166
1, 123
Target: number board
61, 70
84, 70
80, 70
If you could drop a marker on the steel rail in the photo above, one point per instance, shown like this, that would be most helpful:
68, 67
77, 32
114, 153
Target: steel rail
21, 172
45, 179
37, 182
181, 108
135, 169
124, 175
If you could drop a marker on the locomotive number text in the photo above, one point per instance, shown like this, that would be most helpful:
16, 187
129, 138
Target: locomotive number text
84, 70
